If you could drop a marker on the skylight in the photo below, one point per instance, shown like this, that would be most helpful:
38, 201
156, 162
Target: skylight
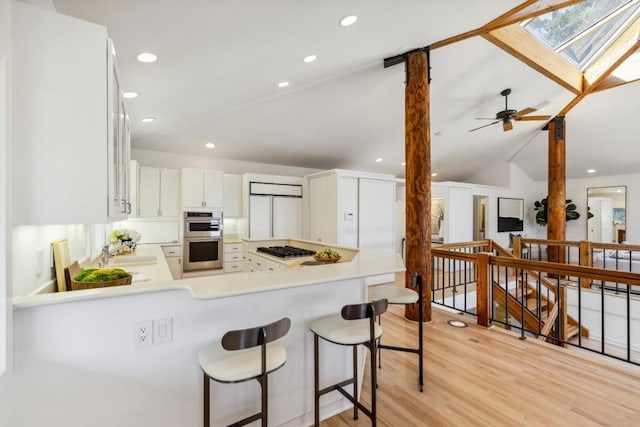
579, 33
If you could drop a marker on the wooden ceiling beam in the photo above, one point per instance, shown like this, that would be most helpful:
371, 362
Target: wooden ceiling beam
526, 10
531, 10
611, 81
519, 43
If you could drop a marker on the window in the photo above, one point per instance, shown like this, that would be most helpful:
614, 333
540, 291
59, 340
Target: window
582, 32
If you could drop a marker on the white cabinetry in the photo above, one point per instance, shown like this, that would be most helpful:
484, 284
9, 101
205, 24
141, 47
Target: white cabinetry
274, 206
202, 188
159, 192
232, 258
353, 209
173, 255
600, 225
232, 196
134, 169
71, 151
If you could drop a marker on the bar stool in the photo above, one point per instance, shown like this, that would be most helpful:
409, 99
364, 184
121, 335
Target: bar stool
351, 328
404, 296
244, 355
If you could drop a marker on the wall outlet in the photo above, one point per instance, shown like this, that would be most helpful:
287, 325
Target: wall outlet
144, 333
162, 330
39, 261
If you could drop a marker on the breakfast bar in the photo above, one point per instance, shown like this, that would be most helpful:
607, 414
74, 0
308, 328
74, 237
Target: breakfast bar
163, 376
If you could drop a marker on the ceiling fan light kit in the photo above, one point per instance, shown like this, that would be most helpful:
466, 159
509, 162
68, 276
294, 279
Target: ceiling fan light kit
507, 115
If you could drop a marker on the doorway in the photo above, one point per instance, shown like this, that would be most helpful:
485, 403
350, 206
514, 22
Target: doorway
480, 216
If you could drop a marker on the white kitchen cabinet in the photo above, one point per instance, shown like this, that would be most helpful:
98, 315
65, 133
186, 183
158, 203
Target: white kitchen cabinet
353, 209
71, 151
202, 188
232, 258
159, 192
232, 196
134, 169
173, 256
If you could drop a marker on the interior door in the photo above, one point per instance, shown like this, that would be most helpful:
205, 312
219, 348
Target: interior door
287, 217
260, 217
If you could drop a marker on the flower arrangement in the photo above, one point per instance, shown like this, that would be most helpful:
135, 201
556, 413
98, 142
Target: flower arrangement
123, 241
119, 236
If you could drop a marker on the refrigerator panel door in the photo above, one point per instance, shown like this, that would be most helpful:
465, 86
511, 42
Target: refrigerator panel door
260, 217
376, 222
287, 217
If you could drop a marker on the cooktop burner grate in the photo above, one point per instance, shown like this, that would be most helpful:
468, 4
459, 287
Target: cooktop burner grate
285, 251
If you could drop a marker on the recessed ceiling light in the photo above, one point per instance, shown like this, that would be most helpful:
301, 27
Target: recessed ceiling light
148, 120
404, 163
591, 171
210, 145
379, 159
310, 58
283, 84
348, 20
146, 57
130, 95
618, 191
434, 174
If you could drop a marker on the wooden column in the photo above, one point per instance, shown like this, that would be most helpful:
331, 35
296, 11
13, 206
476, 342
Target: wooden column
556, 214
483, 303
418, 178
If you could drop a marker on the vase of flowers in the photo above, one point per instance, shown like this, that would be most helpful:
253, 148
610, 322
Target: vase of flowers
123, 241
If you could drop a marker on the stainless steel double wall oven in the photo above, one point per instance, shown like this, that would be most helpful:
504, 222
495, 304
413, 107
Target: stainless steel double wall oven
202, 240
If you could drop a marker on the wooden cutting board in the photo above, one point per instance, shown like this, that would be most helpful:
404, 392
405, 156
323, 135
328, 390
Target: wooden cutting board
71, 271
61, 260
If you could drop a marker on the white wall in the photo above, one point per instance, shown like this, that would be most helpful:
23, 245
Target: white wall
5, 186
161, 159
30, 271
577, 192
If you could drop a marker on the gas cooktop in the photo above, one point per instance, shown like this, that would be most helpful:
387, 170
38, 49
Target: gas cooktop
285, 251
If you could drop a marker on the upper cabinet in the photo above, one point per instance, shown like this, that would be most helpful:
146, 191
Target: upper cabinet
71, 130
232, 196
202, 188
159, 192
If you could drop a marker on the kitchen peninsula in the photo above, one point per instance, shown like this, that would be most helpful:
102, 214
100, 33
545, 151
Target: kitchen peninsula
160, 383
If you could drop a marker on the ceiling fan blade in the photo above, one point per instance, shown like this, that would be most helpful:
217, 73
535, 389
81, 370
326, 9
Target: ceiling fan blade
527, 118
507, 125
484, 126
523, 112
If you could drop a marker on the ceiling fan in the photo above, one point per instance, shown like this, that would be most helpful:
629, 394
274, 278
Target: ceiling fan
506, 116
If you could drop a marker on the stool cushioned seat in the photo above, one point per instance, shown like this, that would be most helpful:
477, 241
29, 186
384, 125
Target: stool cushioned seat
239, 365
347, 332
395, 294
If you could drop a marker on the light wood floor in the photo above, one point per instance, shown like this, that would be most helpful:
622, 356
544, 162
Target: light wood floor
488, 377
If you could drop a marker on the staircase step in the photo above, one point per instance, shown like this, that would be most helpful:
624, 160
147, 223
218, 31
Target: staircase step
572, 331
532, 304
517, 293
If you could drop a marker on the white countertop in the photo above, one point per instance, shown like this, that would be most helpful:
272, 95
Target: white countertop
364, 264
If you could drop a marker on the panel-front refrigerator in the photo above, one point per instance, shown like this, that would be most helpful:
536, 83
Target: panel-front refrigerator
275, 215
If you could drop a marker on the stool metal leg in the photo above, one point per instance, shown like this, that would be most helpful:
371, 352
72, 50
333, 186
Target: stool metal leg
374, 382
420, 344
207, 402
355, 381
379, 342
316, 380
264, 386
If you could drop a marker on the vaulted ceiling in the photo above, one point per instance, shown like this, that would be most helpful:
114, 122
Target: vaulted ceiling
220, 62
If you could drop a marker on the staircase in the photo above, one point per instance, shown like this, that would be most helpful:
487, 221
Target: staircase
534, 309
